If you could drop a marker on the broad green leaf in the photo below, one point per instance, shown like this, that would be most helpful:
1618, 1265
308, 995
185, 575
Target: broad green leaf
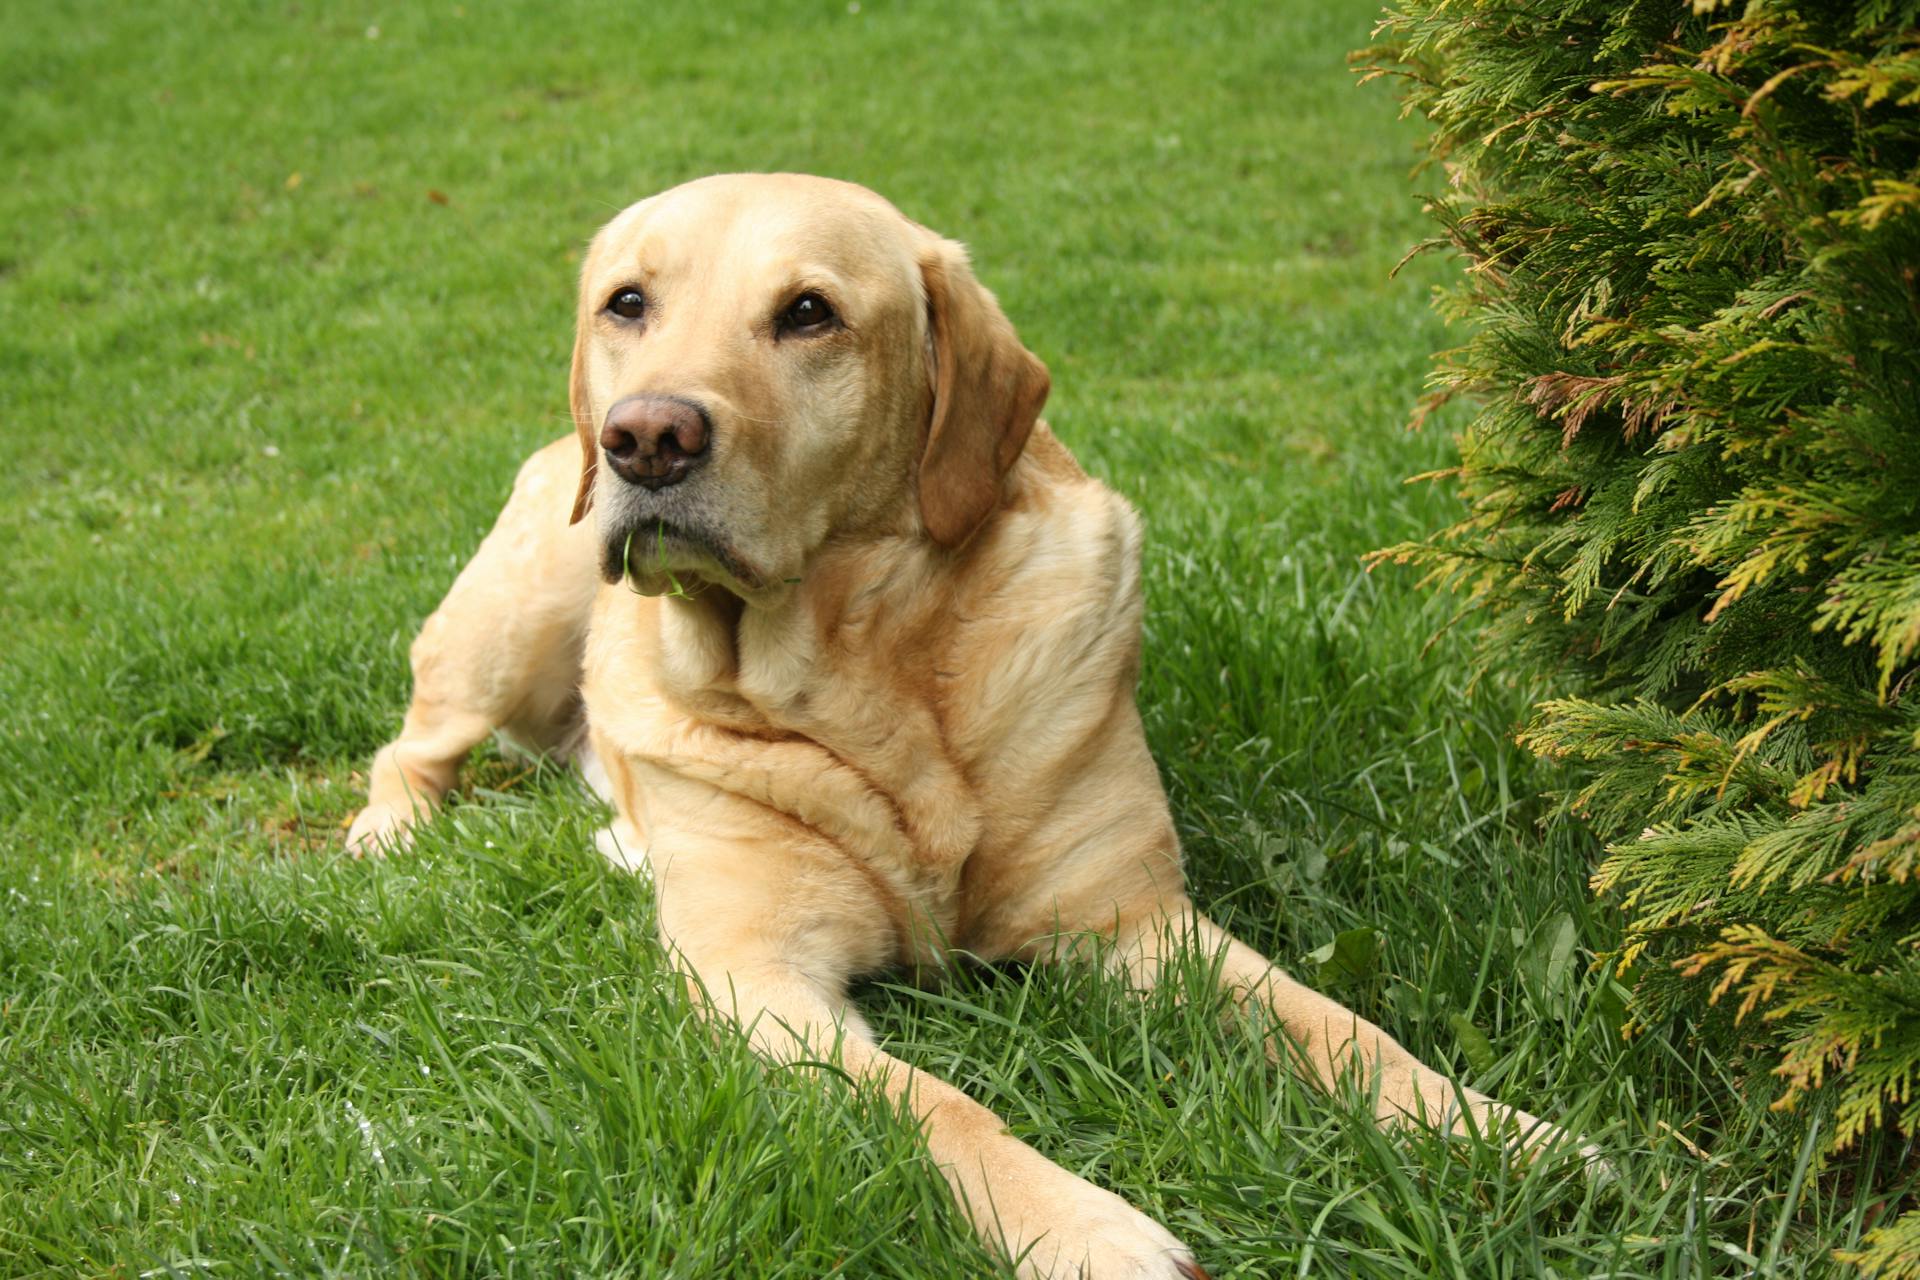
1407, 1000
1351, 957
1560, 935
1473, 1042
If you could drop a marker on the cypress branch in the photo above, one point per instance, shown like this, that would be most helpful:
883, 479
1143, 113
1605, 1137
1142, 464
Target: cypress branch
1690, 240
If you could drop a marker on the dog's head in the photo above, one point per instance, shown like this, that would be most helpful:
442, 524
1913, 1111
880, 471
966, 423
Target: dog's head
765, 362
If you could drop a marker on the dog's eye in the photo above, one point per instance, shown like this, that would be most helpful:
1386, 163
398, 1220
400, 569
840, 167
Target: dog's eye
808, 313
628, 304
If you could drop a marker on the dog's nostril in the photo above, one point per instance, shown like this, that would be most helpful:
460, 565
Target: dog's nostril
617, 441
688, 434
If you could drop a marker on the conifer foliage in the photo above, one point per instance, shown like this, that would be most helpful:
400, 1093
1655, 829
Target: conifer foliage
1692, 294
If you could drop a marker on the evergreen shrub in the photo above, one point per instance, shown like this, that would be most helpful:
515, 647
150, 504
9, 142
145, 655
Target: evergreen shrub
1691, 297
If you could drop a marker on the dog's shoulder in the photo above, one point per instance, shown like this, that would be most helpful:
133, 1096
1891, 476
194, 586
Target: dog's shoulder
1062, 537
1046, 617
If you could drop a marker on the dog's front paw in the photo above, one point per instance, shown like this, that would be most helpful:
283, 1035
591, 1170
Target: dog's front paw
1526, 1135
1553, 1142
1533, 1138
380, 829
1095, 1235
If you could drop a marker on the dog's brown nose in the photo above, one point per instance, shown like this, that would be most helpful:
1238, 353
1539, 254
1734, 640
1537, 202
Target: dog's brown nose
655, 441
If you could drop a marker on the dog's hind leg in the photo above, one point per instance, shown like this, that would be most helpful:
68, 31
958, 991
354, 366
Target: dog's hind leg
500, 654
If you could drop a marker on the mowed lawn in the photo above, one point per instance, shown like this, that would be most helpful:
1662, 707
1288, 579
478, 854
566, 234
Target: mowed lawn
285, 295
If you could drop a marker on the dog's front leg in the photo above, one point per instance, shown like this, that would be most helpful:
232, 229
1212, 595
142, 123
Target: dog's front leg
770, 932
1323, 1040
502, 652
1053, 1224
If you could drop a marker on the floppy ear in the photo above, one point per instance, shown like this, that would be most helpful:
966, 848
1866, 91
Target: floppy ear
987, 394
582, 405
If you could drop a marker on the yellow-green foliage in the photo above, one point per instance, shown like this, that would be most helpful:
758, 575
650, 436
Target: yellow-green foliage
1692, 239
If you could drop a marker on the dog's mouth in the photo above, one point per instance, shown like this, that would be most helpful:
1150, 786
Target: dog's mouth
655, 556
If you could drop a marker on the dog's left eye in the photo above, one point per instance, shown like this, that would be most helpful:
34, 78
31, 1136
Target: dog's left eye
808, 313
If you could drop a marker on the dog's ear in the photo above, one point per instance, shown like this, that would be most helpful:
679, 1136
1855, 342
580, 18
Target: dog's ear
987, 393
581, 403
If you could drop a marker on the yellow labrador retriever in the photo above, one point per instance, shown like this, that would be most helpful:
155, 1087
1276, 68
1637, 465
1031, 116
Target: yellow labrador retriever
850, 641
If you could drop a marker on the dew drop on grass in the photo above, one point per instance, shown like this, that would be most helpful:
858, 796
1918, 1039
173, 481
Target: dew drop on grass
366, 1133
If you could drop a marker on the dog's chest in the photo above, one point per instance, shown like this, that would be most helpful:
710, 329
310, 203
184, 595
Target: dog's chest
826, 728
939, 733
878, 721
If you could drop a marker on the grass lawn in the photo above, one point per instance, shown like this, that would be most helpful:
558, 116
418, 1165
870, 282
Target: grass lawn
285, 294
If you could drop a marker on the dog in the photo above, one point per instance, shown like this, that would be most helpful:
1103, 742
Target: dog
850, 642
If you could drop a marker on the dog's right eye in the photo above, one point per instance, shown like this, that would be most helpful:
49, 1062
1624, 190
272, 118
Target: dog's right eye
628, 304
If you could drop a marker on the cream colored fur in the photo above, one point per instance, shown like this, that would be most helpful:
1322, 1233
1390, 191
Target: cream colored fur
895, 717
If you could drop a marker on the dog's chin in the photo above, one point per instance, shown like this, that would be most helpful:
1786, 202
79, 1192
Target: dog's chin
656, 557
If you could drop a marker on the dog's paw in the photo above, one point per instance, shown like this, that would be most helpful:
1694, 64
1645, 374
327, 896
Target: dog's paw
1529, 1137
1099, 1236
621, 845
1593, 1162
1542, 1141
379, 829
1536, 1139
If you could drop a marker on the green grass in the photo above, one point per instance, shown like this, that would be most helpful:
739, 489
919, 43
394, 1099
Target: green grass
285, 294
